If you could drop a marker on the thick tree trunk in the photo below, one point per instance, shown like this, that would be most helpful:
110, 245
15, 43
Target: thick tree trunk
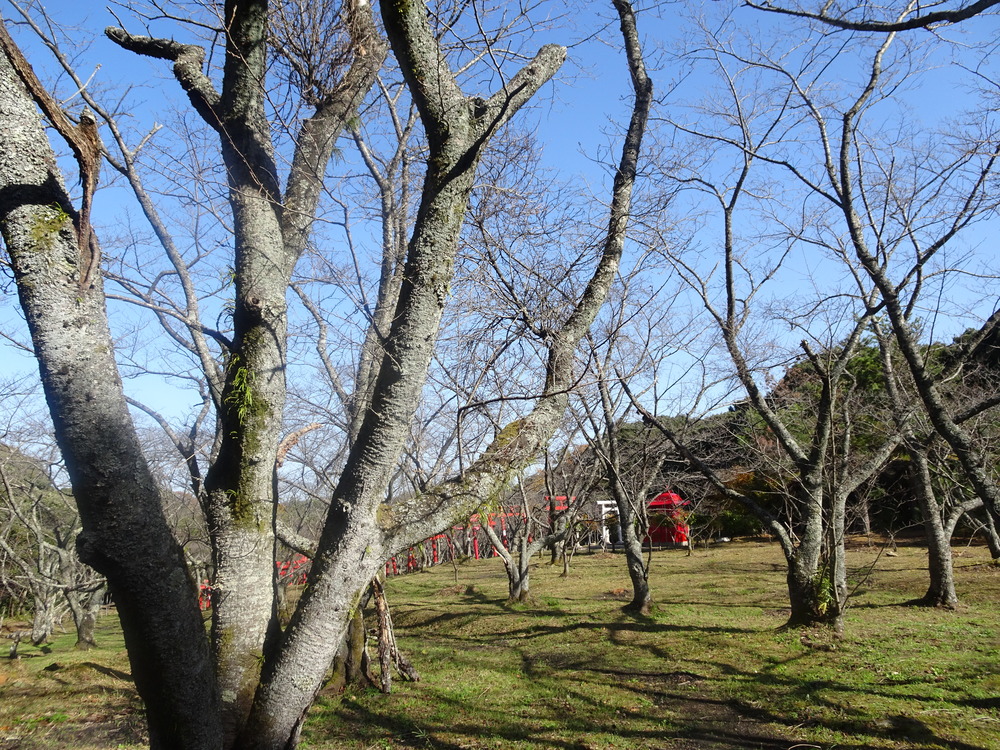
801, 598
940, 566
87, 623
805, 596
809, 585
43, 620
239, 483
126, 536
85, 610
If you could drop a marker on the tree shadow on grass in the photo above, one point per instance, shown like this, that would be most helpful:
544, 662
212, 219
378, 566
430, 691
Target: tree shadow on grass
677, 710
646, 625
109, 671
840, 716
725, 729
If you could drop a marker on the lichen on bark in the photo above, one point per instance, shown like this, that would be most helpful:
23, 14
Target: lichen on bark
48, 222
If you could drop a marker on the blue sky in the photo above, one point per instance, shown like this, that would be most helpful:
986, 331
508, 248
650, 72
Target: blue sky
578, 117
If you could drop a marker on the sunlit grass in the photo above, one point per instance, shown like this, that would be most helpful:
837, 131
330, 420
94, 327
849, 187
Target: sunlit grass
709, 669
55, 696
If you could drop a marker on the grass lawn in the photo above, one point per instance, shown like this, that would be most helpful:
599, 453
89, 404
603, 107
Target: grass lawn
709, 669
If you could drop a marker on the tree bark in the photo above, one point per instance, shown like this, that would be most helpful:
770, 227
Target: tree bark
126, 536
43, 620
808, 585
517, 568
271, 230
85, 619
837, 555
352, 546
989, 531
940, 565
638, 571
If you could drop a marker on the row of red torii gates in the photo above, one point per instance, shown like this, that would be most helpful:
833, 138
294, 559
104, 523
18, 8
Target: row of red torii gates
667, 514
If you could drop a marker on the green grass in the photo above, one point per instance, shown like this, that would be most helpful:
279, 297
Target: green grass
55, 696
709, 669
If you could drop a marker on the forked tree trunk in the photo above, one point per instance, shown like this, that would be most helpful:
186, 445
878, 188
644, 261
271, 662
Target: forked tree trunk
517, 568
810, 585
353, 543
85, 610
85, 628
271, 229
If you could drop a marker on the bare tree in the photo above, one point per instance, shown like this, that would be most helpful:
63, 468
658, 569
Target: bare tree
539, 513
971, 167
942, 498
39, 524
631, 470
254, 687
881, 204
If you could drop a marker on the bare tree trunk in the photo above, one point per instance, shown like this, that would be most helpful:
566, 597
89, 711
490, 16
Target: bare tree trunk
558, 548
865, 516
517, 569
126, 536
85, 609
43, 620
809, 585
85, 628
988, 528
631, 505
635, 562
940, 566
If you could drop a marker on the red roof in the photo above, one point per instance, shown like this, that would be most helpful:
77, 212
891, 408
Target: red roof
667, 500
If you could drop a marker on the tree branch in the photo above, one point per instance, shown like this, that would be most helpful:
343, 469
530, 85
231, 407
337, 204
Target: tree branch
188, 60
920, 21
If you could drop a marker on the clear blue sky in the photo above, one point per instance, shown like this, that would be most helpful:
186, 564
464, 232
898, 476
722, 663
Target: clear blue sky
578, 117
